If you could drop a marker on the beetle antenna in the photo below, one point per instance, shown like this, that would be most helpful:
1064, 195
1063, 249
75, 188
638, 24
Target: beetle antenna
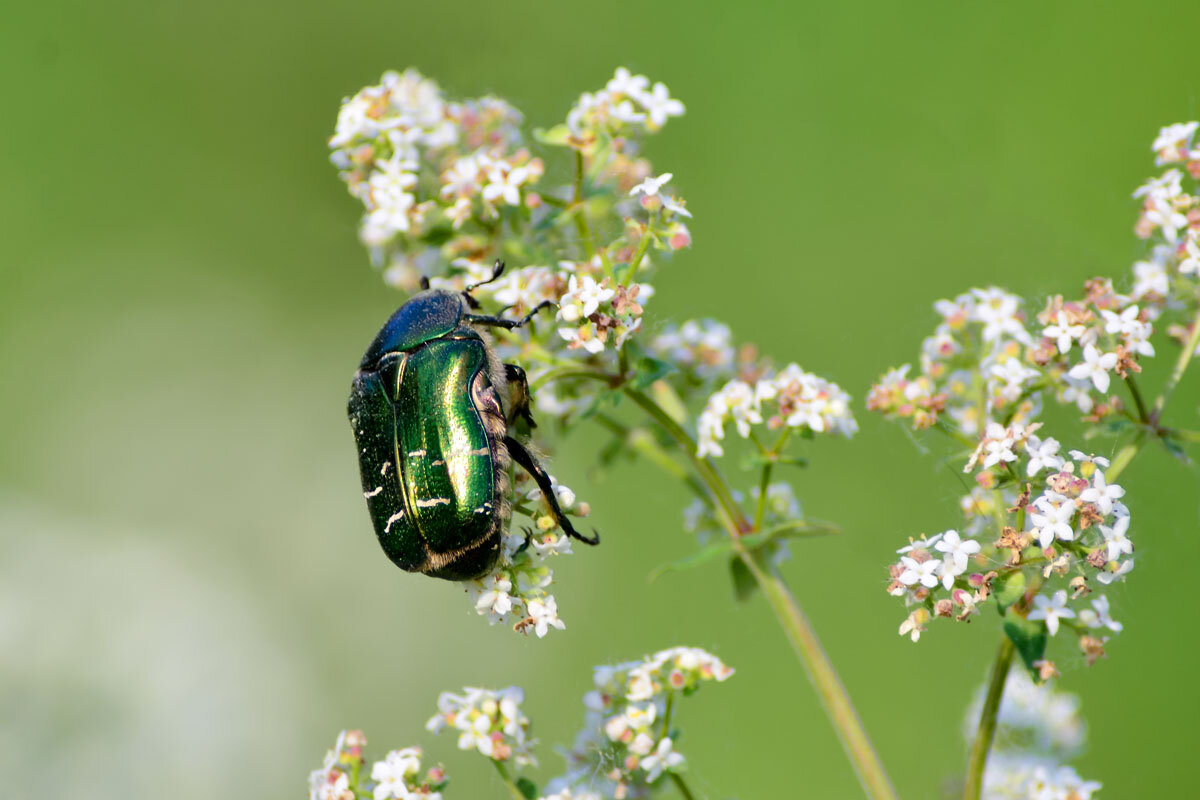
497, 271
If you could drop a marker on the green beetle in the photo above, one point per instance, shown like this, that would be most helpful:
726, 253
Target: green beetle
431, 407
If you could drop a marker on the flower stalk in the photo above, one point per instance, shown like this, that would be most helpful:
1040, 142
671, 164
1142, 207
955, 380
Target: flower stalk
986, 731
799, 631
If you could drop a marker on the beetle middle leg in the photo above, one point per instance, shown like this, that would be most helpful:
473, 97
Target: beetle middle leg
530, 465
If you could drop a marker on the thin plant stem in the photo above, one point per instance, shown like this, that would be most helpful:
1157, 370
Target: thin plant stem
577, 208
799, 631
682, 786
508, 781
838, 707
987, 720
640, 252
1181, 365
1143, 414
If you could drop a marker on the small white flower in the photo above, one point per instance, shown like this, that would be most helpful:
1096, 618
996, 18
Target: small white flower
1101, 494
921, 544
1051, 610
1043, 454
1125, 322
1190, 265
664, 758
1124, 569
1095, 367
1173, 142
1052, 521
392, 772
922, 572
1150, 278
494, 595
505, 184
1098, 616
660, 106
958, 550
1116, 539
545, 615
1064, 333
583, 298
650, 186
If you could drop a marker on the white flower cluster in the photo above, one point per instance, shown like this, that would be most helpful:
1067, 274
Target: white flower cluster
516, 591
420, 163
1072, 530
490, 722
627, 743
971, 367
1038, 729
1084, 342
703, 348
626, 103
397, 777
796, 399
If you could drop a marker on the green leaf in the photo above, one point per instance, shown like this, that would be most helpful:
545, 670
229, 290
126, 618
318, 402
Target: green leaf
598, 401
558, 136
1009, 588
650, 370
755, 460
702, 556
1029, 638
743, 580
527, 788
1175, 448
795, 529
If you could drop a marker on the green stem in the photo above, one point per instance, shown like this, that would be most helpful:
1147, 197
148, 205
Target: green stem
800, 633
638, 254
577, 208
508, 781
763, 483
1181, 365
682, 786
708, 473
838, 707
987, 720
1143, 414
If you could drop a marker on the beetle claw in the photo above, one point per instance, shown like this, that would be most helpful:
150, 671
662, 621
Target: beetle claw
528, 541
594, 539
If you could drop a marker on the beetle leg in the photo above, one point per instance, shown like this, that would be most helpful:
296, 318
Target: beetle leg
530, 465
518, 394
528, 540
507, 324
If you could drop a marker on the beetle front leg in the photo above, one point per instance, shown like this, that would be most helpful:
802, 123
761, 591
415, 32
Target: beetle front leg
508, 324
530, 465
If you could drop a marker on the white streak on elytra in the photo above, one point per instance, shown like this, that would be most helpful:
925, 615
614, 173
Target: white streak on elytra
399, 515
437, 462
369, 495
433, 501
417, 454
383, 470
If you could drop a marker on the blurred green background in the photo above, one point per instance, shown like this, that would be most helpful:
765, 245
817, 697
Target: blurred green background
191, 600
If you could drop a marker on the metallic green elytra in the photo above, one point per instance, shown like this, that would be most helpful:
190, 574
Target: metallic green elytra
431, 406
